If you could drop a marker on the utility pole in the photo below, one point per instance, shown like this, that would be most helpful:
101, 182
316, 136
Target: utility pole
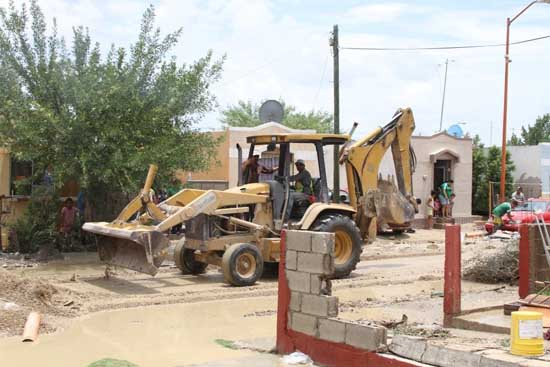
336, 80
443, 100
491, 135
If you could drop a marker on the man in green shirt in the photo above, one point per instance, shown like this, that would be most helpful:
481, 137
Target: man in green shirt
502, 210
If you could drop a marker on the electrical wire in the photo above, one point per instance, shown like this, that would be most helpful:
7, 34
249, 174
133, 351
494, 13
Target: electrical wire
431, 48
321, 82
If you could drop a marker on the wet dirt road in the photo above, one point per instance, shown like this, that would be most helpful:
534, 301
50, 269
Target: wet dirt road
403, 278
170, 335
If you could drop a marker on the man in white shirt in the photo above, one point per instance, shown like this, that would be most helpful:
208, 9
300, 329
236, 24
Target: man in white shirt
518, 196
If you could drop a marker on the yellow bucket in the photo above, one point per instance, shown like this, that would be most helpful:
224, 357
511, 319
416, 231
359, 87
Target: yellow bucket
526, 334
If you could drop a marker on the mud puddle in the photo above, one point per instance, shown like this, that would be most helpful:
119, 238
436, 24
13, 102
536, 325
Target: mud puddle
169, 335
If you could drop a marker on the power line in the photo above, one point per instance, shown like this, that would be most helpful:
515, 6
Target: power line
442, 47
321, 81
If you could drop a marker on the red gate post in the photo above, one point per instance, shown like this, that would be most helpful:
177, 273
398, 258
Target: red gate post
524, 254
284, 343
453, 276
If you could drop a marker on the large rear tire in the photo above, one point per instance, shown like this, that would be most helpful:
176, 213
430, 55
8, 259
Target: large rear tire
347, 242
242, 264
185, 260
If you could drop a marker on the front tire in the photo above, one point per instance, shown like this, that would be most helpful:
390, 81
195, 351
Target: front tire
185, 260
242, 264
347, 242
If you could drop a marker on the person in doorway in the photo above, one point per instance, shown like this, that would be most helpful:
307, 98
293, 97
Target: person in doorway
502, 210
302, 186
252, 169
518, 195
430, 208
446, 190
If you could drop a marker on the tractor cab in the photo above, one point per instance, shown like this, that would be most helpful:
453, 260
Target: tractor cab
277, 155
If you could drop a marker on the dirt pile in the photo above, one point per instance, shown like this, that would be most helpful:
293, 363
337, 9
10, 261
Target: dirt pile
500, 265
19, 296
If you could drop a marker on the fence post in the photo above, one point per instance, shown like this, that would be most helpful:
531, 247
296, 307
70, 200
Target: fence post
453, 276
524, 254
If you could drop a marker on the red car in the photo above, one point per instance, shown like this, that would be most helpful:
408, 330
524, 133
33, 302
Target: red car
524, 213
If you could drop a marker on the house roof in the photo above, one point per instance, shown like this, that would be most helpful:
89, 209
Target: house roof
268, 125
440, 133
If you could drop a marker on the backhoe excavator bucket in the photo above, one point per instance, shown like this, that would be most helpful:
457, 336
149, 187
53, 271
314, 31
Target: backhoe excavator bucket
138, 248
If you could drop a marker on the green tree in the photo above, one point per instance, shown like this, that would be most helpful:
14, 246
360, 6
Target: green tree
486, 169
246, 114
538, 133
532, 135
101, 119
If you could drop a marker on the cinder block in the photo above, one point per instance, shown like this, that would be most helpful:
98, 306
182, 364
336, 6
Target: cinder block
295, 301
325, 306
298, 240
316, 282
291, 259
315, 263
332, 330
323, 243
411, 347
365, 337
302, 323
298, 281
444, 355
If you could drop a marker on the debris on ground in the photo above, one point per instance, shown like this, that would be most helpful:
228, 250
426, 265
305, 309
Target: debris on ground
296, 358
19, 296
427, 331
393, 323
229, 344
501, 265
109, 362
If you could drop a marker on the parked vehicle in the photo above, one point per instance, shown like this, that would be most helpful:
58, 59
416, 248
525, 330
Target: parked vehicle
523, 213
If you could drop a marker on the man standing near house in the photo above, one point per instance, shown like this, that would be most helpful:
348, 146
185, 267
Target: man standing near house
252, 168
446, 190
518, 195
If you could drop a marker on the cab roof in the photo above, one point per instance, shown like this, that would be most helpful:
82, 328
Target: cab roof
298, 138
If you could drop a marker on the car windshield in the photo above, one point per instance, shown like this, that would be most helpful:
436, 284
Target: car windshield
532, 206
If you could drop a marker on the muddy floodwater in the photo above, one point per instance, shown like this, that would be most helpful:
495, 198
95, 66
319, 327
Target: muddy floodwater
168, 335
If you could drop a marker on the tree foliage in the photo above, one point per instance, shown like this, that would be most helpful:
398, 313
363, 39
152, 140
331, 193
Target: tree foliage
101, 119
246, 114
486, 169
532, 135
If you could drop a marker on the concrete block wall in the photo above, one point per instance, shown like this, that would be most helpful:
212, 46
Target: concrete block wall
538, 265
313, 310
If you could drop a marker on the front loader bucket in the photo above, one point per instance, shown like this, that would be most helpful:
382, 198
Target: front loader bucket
140, 248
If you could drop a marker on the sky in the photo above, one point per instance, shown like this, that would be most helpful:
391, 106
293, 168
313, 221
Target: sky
280, 49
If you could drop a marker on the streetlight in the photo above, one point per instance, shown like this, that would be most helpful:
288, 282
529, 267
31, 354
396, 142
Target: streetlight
505, 112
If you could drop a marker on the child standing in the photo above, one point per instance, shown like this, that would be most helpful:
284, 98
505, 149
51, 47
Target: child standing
430, 210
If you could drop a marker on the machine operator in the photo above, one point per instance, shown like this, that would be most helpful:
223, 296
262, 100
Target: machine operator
302, 186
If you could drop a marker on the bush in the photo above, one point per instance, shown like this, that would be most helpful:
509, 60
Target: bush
38, 225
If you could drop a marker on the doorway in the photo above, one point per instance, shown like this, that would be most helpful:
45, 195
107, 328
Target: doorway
442, 172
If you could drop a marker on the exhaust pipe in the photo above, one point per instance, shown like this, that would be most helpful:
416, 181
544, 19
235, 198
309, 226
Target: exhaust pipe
240, 164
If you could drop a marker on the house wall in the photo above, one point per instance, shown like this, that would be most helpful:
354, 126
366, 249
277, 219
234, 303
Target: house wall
423, 177
219, 165
528, 168
545, 168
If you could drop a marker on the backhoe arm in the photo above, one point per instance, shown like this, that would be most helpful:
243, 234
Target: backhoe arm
370, 195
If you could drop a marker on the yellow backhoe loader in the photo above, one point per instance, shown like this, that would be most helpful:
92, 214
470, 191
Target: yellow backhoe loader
239, 228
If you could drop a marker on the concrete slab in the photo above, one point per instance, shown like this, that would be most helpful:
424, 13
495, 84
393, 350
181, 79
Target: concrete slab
493, 321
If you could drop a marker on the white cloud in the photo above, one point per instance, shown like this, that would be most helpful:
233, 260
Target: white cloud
273, 52
383, 12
